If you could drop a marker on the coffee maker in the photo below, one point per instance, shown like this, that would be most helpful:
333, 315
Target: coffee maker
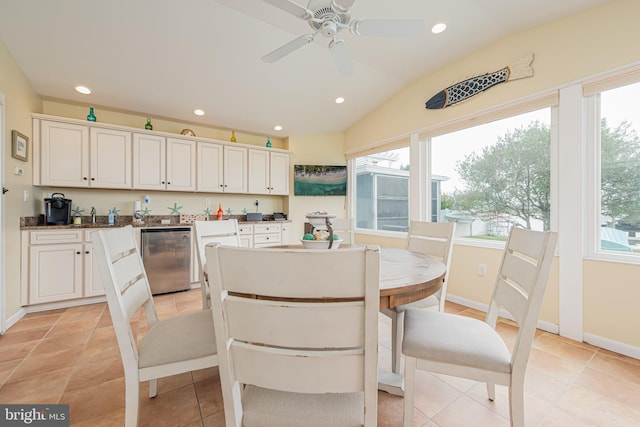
57, 210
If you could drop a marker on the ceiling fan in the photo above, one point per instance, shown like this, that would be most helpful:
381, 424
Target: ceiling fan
329, 17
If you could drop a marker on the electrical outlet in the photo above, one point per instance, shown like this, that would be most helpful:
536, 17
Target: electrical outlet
207, 201
26, 195
482, 270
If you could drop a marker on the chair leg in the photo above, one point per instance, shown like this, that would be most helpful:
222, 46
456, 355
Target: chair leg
491, 391
516, 402
132, 400
409, 390
397, 326
153, 388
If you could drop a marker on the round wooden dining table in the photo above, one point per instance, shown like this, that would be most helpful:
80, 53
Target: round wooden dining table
407, 276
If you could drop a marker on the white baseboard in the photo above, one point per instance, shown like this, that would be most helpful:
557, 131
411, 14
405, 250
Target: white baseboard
14, 319
611, 345
598, 341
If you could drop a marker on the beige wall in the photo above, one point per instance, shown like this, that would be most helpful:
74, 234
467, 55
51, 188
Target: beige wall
324, 149
20, 102
583, 45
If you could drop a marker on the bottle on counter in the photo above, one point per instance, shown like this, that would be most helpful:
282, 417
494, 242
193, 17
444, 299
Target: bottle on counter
112, 217
220, 212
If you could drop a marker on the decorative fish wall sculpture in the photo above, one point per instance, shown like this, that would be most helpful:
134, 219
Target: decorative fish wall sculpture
467, 88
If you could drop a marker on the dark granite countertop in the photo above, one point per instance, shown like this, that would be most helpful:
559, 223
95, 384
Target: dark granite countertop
102, 221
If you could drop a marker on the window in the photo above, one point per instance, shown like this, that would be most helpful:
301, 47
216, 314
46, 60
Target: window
618, 170
494, 176
382, 191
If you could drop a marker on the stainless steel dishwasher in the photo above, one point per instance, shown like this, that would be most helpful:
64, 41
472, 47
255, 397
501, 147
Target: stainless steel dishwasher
166, 254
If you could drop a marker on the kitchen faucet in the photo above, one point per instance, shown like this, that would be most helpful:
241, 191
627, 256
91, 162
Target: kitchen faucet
93, 215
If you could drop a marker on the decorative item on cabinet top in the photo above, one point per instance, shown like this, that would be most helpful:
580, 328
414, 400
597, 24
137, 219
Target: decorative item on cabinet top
188, 132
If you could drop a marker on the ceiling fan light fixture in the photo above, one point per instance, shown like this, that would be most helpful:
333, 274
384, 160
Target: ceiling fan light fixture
438, 28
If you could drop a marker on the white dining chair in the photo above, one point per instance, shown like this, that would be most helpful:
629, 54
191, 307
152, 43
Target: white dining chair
345, 229
298, 335
179, 344
225, 232
470, 348
434, 239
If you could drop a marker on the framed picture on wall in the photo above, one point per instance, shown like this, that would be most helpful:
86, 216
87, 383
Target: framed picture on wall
19, 146
315, 180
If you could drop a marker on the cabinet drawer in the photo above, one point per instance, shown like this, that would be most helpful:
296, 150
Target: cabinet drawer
55, 236
245, 229
269, 239
266, 228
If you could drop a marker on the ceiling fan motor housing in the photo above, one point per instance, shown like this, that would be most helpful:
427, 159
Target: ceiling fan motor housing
326, 18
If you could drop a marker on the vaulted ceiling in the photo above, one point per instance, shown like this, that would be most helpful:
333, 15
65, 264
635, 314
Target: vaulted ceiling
165, 58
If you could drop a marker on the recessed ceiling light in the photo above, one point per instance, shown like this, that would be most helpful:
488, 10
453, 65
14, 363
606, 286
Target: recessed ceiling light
198, 112
438, 28
339, 100
83, 90
277, 127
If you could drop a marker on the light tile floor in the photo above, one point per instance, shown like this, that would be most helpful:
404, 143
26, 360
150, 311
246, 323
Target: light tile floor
71, 356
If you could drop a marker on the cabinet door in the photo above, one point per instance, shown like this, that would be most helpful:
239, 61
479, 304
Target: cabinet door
110, 152
259, 172
55, 272
181, 164
279, 167
210, 167
93, 285
149, 154
286, 233
64, 154
235, 169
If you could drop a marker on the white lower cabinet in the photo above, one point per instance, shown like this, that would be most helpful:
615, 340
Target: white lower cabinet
58, 265
246, 235
266, 235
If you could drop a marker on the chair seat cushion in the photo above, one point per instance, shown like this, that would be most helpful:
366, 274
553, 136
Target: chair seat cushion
450, 338
184, 337
265, 407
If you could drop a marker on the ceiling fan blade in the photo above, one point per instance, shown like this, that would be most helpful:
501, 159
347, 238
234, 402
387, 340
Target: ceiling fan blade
286, 49
341, 57
342, 5
293, 8
388, 27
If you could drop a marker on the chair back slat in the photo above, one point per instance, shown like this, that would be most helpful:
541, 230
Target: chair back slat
431, 238
520, 271
512, 299
432, 247
294, 273
529, 244
300, 325
299, 371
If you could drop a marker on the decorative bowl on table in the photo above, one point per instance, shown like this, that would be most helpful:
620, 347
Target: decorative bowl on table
320, 244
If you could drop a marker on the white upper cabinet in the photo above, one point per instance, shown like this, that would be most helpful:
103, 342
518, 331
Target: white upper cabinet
149, 162
110, 154
268, 172
222, 168
161, 163
74, 155
181, 164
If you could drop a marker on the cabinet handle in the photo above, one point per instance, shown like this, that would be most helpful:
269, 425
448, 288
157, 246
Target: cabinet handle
162, 182
77, 253
93, 179
84, 178
86, 252
168, 182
